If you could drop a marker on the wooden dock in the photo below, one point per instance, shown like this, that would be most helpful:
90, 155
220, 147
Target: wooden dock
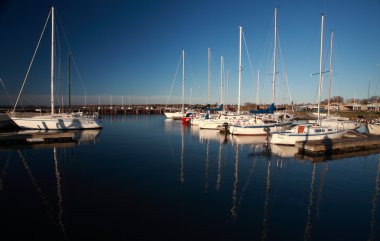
359, 143
30, 138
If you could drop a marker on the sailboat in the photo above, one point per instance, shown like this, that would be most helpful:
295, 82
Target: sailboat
264, 121
309, 131
54, 121
334, 120
228, 118
179, 114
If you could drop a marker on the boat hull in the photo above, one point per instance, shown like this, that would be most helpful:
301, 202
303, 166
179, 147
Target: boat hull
53, 123
374, 129
288, 138
174, 115
258, 130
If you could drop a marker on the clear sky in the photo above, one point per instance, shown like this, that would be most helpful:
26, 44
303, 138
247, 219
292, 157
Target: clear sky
133, 47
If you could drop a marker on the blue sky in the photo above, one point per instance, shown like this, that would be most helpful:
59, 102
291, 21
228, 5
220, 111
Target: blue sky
132, 48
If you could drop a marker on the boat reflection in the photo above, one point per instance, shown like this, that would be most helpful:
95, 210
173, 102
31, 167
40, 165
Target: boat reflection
39, 139
88, 136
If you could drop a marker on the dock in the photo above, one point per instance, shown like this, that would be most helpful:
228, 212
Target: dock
358, 143
32, 138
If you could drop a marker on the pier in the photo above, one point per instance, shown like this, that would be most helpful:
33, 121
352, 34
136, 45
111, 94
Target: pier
35, 138
358, 143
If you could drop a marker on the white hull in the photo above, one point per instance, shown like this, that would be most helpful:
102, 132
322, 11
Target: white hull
174, 115
340, 124
257, 130
290, 138
219, 121
374, 129
58, 123
211, 124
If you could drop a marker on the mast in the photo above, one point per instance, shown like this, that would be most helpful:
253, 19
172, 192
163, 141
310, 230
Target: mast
320, 70
241, 32
257, 89
52, 63
209, 76
274, 56
330, 72
183, 81
221, 78
69, 73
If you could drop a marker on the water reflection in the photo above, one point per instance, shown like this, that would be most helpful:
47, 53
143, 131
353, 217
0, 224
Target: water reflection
375, 195
88, 136
181, 166
4, 171
235, 184
266, 204
59, 193
31, 157
152, 175
307, 235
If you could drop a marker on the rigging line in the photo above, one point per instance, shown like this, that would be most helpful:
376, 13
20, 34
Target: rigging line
71, 53
284, 68
173, 81
31, 62
6, 92
249, 59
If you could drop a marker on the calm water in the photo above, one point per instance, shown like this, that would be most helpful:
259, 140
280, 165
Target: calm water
147, 178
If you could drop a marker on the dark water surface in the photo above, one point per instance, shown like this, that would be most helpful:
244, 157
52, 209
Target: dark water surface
147, 178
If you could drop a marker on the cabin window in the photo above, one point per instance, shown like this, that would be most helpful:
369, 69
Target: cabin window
330, 129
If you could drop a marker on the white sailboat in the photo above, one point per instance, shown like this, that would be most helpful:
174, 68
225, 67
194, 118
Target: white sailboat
179, 114
260, 124
333, 120
229, 118
61, 121
309, 132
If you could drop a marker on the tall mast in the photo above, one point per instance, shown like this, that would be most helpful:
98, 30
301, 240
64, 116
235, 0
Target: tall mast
52, 63
241, 32
330, 71
257, 89
69, 74
209, 76
274, 57
320, 69
221, 78
183, 81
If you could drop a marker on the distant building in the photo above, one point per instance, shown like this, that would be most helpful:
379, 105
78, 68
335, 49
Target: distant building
355, 107
373, 107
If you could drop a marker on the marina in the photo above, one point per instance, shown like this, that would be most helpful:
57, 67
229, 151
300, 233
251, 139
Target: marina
168, 120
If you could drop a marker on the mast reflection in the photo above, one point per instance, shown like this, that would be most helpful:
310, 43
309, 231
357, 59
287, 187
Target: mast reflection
181, 166
235, 187
266, 203
307, 233
59, 193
